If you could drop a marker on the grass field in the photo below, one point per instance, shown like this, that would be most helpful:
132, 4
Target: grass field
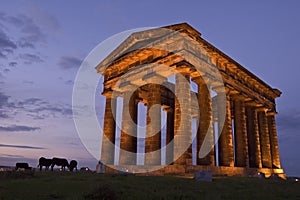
79, 185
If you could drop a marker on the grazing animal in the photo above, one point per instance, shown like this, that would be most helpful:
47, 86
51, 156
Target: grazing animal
60, 162
73, 165
44, 162
22, 166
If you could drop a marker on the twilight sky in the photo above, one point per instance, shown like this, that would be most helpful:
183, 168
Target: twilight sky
42, 44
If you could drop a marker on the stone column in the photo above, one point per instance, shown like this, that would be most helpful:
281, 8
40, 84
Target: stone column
153, 132
183, 119
169, 136
273, 140
128, 141
225, 147
264, 138
240, 132
108, 139
253, 136
205, 128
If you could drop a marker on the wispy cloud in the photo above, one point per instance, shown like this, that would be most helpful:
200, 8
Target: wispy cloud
3, 103
7, 46
28, 82
13, 64
67, 62
289, 120
11, 160
20, 146
35, 108
32, 33
18, 128
31, 58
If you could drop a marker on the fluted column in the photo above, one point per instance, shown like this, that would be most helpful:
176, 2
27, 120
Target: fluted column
273, 140
108, 139
205, 128
128, 141
240, 132
253, 136
153, 132
183, 120
225, 147
264, 138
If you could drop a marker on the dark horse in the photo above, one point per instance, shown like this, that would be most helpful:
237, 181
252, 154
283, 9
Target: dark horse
44, 162
73, 165
60, 162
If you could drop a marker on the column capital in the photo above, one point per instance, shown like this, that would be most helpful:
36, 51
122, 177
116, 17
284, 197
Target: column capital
183, 68
271, 113
202, 80
167, 108
199, 80
107, 93
262, 109
222, 89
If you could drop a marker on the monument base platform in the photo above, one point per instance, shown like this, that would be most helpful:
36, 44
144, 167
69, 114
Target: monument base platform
180, 170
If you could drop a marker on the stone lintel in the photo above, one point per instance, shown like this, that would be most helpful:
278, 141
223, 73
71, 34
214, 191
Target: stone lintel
154, 77
253, 104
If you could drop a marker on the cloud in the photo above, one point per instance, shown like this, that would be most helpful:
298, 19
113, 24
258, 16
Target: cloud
28, 82
3, 103
5, 42
13, 64
11, 160
24, 43
18, 128
3, 99
289, 120
69, 62
31, 31
20, 146
69, 82
27, 34
35, 108
43, 109
31, 58
10, 155
40, 109
7, 46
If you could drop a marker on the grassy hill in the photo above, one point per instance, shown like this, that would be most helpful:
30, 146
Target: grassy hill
80, 185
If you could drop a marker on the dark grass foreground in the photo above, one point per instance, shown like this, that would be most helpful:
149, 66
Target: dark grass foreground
79, 185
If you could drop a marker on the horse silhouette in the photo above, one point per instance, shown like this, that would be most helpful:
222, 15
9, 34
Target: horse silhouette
73, 165
44, 162
60, 162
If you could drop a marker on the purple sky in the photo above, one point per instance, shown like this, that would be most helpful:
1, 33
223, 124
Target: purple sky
42, 44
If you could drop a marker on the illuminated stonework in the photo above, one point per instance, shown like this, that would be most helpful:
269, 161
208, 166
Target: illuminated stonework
248, 142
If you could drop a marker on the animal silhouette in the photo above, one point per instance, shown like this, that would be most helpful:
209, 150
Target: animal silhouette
60, 162
22, 166
73, 165
44, 162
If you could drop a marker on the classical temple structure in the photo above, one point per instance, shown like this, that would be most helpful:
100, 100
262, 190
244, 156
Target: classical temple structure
242, 142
